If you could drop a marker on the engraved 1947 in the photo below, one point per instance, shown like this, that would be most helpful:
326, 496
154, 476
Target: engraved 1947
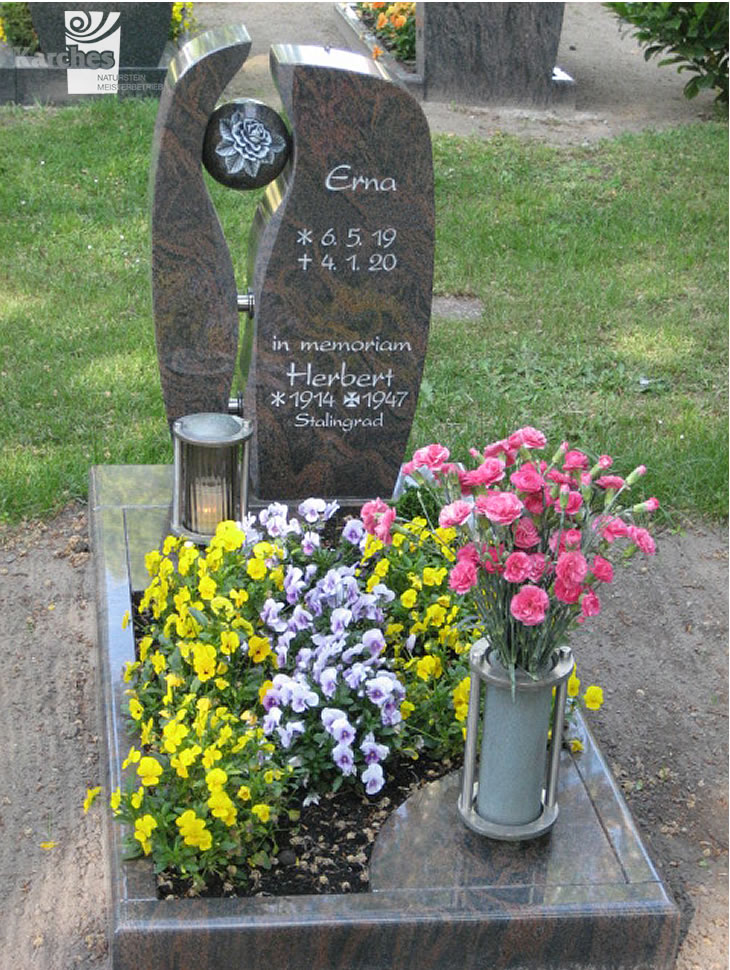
353, 249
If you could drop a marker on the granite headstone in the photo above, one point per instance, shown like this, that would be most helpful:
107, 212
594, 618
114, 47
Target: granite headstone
194, 291
342, 254
489, 53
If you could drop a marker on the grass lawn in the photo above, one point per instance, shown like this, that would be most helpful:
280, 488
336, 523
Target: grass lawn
602, 271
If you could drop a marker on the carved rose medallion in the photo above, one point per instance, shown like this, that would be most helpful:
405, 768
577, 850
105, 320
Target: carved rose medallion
246, 144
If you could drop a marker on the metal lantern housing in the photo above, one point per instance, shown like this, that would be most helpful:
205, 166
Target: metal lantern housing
517, 759
210, 473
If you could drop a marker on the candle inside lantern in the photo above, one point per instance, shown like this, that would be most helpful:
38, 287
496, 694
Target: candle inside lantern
210, 471
208, 506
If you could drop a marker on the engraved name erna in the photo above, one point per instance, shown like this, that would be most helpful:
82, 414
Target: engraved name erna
341, 179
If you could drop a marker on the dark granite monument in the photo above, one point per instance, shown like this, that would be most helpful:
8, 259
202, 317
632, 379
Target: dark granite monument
490, 53
341, 263
342, 282
139, 66
193, 287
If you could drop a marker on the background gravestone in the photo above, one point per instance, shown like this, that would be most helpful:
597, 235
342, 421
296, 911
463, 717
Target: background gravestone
143, 51
342, 282
488, 53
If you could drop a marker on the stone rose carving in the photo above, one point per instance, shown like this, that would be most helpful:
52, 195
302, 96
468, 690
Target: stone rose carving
247, 144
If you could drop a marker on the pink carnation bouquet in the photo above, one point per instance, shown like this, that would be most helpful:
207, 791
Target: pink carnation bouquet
533, 538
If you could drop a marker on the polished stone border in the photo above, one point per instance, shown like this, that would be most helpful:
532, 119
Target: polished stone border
584, 897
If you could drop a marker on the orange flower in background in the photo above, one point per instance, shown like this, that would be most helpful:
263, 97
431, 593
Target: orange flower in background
377, 6
382, 21
377, 52
398, 20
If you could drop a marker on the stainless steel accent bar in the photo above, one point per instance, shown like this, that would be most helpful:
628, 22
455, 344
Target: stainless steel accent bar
245, 303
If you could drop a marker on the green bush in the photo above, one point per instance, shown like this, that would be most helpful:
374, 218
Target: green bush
16, 27
694, 34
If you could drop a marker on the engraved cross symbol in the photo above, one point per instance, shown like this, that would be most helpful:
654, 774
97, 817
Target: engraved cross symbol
352, 399
305, 260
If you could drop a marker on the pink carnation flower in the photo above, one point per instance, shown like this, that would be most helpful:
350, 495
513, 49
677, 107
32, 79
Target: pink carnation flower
590, 605
575, 461
432, 456
537, 567
534, 503
643, 539
377, 517
526, 534
529, 605
463, 576
527, 479
566, 592
454, 514
612, 528
527, 437
490, 471
517, 567
501, 448
468, 553
610, 481
571, 567
500, 507
602, 569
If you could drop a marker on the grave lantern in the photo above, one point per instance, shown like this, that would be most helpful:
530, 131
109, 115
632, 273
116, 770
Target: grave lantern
210, 473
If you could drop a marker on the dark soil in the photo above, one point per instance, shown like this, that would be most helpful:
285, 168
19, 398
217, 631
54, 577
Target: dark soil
328, 849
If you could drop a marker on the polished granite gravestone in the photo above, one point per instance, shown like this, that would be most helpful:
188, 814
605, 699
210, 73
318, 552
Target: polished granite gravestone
584, 897
489, 53
194, 291
342, 282
143, 56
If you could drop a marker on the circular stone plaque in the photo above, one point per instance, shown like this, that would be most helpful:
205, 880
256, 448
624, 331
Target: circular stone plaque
246, 144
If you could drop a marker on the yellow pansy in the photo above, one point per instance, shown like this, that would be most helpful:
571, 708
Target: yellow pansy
193, 830
174, 733
143, 647
408, 598
429, 666
149, 770
143, 830
256, 569
573, 685
91, 795
262, 812
132, 758
186, 558
135, 709
238, 596
259, 648
207, 587
222, 807
593, 698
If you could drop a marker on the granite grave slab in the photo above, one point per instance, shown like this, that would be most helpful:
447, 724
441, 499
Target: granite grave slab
584, 897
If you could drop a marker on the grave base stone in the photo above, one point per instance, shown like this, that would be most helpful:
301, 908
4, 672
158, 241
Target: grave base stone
584, 897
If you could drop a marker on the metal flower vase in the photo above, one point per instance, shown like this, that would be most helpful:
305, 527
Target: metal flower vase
512, 793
